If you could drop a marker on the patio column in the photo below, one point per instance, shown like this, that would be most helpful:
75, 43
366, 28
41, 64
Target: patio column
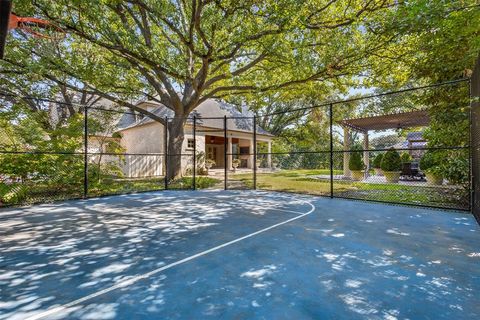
346, 155
366, 159
269, 154
229, 153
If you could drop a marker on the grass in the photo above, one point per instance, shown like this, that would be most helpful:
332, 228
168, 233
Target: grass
31, 192
288, 180
302, 181
117, 186
187, 182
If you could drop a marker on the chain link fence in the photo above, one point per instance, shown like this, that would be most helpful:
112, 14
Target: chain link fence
407, 147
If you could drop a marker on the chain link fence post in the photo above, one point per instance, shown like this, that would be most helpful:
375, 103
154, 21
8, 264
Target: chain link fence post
194, 170
331, 149
225, 157
165, 150
475, 140
85, 152
255, 152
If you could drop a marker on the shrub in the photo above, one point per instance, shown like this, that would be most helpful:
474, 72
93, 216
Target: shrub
455, 170
200, 159
428, 161
205, 182
13, 194
391, 161
355, 163
209, 163
405, 157
187, 182
378, 161
202, 171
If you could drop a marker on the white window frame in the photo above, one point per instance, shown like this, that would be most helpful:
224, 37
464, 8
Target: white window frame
188, 144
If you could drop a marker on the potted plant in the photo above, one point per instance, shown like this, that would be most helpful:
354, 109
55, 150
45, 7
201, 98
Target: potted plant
259, 162
201, 169
356, 166
406, 157
376, 164
391, 166
209, 163
235, 164
274, 164
430, 166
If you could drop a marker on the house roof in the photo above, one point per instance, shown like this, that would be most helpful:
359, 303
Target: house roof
405, 145
416, 136
409, 119
208, 114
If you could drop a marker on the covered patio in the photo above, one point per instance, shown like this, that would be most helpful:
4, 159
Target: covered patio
402, 120
239, 145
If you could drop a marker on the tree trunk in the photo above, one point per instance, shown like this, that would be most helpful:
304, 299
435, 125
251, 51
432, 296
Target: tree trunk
176, 135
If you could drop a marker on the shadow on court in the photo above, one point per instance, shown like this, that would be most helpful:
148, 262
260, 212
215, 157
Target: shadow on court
116, 257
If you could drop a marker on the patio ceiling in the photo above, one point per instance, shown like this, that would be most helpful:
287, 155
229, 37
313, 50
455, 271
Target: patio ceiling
402, 120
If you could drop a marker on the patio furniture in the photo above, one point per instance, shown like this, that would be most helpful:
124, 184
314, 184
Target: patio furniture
411, 172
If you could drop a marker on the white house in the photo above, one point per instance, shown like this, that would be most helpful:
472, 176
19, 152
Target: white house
144, 136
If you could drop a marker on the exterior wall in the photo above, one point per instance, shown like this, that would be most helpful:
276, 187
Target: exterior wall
143, 140
97, 144
187, 159
149, 138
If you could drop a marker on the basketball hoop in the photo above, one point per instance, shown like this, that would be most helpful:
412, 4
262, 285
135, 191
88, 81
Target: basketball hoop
38, 28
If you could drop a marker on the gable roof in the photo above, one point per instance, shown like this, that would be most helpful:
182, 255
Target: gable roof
208, 114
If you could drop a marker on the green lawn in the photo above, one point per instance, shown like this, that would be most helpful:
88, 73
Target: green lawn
35, 191
117, 186
288, 180
301, 181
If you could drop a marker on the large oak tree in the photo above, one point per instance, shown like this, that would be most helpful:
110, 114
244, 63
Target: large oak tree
181, 53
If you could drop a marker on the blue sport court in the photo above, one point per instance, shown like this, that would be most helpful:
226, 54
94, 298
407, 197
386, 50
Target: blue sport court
236, 255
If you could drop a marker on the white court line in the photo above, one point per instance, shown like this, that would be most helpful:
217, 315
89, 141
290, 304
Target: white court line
131, 281
42, 207
109, 211
132, 210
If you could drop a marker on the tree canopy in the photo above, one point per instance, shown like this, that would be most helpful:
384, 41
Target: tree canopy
180, 53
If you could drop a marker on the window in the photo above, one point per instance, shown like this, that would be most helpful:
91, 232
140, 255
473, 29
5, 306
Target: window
190, 144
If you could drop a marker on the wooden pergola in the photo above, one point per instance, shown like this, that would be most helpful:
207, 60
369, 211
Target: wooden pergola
410, 119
